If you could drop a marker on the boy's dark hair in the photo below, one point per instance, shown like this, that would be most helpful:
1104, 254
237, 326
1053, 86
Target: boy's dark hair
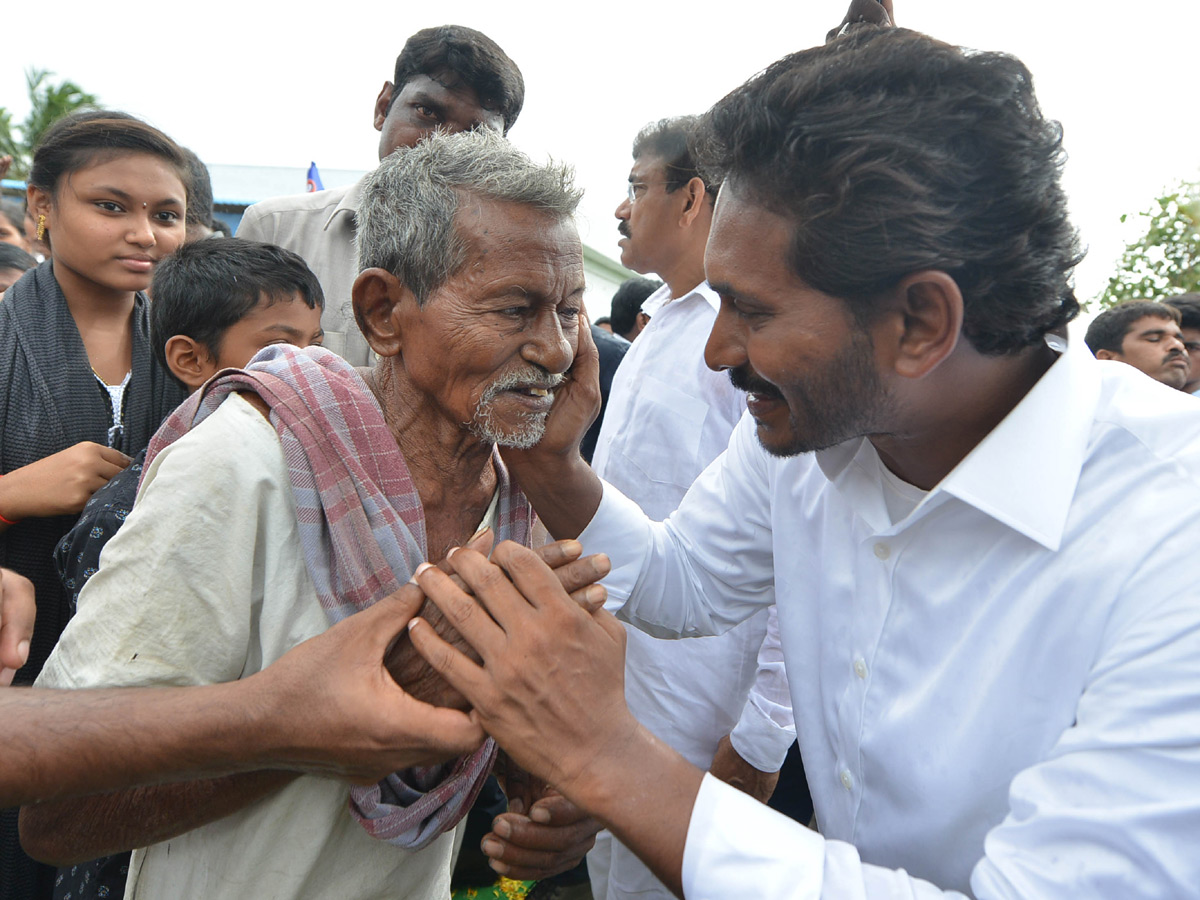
890, 152
471, 56
13, 257
82, 138
1189, 309
205, 287
627, 302
671, 141
1108, 330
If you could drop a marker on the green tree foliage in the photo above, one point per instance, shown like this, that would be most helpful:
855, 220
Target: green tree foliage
49, 102
1166, 260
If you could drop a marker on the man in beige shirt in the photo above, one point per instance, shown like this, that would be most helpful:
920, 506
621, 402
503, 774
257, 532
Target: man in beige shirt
448, 78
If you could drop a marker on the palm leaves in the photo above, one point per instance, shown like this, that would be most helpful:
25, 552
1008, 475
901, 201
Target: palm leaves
48, 102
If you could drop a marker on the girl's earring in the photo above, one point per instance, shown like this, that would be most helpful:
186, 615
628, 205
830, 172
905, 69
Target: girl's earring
41, 229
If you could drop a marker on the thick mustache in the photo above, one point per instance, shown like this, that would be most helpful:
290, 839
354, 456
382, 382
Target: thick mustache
623, 228
751, 384
536, 378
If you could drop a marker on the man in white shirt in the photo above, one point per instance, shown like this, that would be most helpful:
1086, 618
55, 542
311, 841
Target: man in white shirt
668, 416
449, 78
979, 540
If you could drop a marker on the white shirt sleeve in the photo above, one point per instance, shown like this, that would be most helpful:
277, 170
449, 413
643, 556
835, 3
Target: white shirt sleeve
709, 565
737, 847
767, 729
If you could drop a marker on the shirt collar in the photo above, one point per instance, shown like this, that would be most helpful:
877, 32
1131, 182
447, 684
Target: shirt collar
349, 203
1024, 473
662, 297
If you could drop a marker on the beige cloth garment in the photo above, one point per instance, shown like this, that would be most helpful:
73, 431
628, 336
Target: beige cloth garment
320, 227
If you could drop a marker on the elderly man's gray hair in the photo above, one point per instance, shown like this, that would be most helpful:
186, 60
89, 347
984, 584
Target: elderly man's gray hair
406, 214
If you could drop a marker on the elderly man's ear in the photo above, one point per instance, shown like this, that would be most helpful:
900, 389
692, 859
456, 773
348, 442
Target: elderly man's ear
379, 299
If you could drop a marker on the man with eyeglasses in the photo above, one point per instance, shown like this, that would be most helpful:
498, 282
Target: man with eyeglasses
668, 417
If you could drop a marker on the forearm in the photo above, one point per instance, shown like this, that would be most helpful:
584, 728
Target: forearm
68, 832
61, 743
644, 794
563, 490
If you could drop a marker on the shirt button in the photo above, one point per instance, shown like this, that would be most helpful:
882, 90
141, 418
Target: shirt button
883, 551
860, 667
847, 780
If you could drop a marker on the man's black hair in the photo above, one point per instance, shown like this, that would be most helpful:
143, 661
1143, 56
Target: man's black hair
205, 287
199, 188
627, 302
1107, 331
891, 153
13, 257
670, 140
472, 57
1189, 309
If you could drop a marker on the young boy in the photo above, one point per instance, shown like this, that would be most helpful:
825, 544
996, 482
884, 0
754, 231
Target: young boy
216, 304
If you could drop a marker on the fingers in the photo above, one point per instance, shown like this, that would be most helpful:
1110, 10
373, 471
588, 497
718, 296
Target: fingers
439, 734
114, 456
555, 809
521, 848
583, 572
387, 619
530, 576
17, 613
470, 615
463, 674
559, 553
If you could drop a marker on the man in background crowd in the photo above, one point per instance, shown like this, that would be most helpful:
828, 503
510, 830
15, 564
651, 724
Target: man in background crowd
628, 319
1146, 336
1189, 326
448, 78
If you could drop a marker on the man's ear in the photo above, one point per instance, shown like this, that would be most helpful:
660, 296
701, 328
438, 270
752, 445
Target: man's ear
926, 317
189, 361
1108, 354
382, 102
379, 298
695, 201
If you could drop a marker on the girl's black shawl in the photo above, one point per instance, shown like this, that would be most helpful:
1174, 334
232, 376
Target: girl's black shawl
50, 401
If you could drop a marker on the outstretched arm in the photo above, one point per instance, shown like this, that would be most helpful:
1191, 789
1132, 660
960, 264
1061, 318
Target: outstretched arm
328, 706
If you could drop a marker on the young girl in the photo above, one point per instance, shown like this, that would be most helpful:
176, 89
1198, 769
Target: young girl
82, 391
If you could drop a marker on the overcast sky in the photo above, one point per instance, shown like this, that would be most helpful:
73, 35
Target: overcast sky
245, 83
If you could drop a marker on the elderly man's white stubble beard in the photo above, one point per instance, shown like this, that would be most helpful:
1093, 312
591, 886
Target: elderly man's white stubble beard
529, 427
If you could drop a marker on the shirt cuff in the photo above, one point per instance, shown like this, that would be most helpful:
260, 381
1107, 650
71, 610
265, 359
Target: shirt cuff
760, 740
737, 847
620, 529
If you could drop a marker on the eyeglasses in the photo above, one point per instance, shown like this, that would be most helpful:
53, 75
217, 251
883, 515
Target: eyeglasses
637, 188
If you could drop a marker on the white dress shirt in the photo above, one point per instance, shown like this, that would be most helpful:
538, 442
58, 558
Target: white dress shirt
998, 694
668, 417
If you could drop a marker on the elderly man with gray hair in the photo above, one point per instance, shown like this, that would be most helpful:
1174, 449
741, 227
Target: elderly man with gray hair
284, 498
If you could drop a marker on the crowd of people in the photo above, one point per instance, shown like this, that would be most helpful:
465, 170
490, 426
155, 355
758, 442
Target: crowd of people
347, 558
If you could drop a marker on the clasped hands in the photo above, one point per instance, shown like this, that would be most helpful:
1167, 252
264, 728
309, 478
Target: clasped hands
543, 832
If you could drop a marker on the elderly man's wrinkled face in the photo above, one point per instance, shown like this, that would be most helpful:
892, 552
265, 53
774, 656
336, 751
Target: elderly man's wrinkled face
491, 345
